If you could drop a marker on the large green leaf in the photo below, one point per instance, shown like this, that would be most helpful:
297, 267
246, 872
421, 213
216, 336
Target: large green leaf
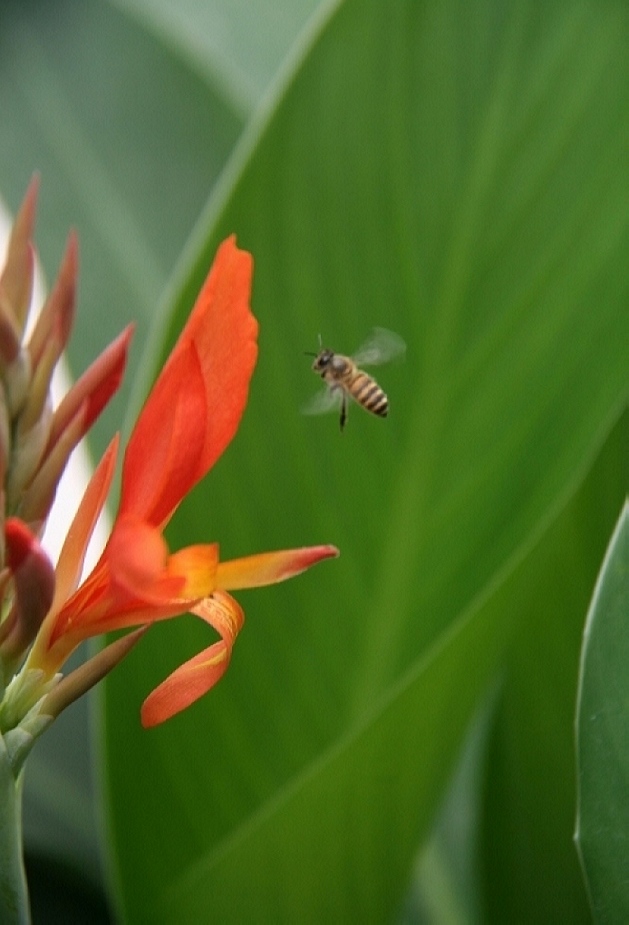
603, 739
380, 783
453, 171
238, 44
530, 785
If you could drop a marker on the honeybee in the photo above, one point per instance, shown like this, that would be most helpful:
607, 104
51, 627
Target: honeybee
344, 378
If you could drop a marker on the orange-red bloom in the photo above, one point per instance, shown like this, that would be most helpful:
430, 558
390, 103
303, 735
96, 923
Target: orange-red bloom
188, 420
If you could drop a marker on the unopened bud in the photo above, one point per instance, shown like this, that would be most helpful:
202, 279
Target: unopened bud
16, 279
79, 681
17, 379
26, 455
34, 585
35, 502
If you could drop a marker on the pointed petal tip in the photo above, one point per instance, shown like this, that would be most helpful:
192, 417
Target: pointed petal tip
331, 552
269, 568
70, 258
24, 223
29, 201
34, 182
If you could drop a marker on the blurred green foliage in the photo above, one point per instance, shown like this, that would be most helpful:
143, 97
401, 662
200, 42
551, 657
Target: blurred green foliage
453, 171
603, 737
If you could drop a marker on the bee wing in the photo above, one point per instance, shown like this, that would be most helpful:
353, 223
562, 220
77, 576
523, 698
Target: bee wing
322, 402
381, 347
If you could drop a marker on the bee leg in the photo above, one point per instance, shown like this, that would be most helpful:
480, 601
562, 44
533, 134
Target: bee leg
343, 411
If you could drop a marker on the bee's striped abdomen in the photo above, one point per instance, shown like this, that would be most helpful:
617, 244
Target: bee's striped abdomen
366, 391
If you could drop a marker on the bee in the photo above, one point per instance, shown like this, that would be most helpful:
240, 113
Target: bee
344, 378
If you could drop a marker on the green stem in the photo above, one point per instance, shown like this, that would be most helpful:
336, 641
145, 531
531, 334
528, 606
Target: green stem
14, 904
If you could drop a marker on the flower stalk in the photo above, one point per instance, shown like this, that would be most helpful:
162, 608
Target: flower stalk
14, 902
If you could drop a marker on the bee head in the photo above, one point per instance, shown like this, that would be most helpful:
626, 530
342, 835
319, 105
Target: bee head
322, 360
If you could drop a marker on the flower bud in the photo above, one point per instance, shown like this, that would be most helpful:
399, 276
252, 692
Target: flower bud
34, 585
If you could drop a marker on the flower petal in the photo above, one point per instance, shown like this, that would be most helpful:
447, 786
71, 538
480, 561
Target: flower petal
195, 677
197, 565
103, 603
137, 555
186, 684
167, 442
224, 333
196, 404
268, 568
74, 548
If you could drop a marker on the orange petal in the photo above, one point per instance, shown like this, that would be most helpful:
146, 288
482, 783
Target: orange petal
268, 568
136, 553
224, 333
166, 443
195, 407
186, 684
74, 548
197, 565
199, 674
138, 595
222, 612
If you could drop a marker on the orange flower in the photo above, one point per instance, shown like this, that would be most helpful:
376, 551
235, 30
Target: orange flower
190, 417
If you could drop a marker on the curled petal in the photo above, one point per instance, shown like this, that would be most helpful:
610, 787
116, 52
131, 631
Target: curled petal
268, 568
222, 612
185, 685
197, 676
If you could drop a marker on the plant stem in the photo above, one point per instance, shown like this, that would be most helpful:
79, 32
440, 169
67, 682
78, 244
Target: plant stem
14, 904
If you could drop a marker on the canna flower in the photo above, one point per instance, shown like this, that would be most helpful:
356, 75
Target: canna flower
190, 417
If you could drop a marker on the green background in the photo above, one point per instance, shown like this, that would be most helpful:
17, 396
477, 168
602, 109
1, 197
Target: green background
456, 172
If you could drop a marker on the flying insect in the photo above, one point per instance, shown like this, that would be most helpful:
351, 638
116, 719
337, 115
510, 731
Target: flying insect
344, 377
